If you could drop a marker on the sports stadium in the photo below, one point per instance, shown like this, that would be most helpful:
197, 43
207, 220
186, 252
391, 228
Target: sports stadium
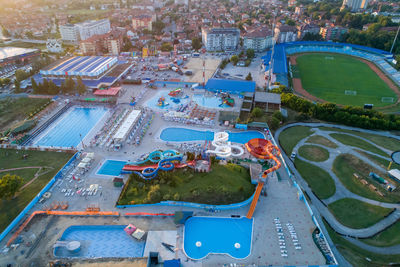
341, 73
95, 71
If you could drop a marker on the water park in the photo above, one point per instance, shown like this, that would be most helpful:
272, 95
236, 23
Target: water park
155, 179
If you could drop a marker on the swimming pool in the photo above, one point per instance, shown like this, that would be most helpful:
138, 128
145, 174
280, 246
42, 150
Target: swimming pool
177, 134
209, 102
212, 235
71, 127
153, 102
111, 167
100, 241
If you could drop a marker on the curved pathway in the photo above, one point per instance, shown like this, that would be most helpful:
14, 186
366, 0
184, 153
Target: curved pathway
341, 190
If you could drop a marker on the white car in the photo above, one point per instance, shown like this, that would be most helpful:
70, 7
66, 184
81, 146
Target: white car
293, 155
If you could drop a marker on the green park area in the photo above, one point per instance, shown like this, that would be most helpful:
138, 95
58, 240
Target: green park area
319, 180
320, 140
313, 153
44, 166
289, 138
357, 214
224, 184
346, 165
358, 256
326, 76
357, 142
14, 110
386, 238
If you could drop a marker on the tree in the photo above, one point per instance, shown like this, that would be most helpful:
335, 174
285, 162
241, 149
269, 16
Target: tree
127, 45
257, 112
5, 32
17, 86
166, 47
312, 37
70, 84
250, 53
234, 59
248, 77
158, 26
9, 185
196, 43
290, 22
80, 86
35, 87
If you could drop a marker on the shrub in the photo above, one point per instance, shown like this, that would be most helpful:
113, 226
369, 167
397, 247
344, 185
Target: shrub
177, 197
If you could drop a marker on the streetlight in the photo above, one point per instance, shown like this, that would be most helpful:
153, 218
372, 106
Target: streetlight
83, 145
395, 38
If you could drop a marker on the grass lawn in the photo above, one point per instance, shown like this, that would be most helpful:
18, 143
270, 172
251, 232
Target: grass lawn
326, 76
357, 256
13, 110
222, 185
9, 159
357, 142
357, 214
320, 140
380, 161
386, 238
383, 141
346, 165
319, 180
313, 153
289, 138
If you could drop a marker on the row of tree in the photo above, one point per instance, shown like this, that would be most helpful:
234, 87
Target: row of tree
347, 115
69, 86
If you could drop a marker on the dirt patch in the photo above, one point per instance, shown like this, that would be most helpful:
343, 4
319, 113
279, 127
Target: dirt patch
196, 65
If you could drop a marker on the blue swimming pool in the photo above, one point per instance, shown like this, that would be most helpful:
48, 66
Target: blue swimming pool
111, 167
209, 102
211, 235
100, 241
170, 102
71, 127
177, 134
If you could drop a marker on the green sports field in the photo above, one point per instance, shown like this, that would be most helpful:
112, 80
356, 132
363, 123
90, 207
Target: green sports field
343, 80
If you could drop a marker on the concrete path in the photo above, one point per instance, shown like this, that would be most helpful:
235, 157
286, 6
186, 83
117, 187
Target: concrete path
341, 190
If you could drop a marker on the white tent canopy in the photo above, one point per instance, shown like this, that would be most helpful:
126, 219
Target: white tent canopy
127, 125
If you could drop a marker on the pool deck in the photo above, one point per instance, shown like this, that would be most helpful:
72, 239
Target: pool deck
281, 202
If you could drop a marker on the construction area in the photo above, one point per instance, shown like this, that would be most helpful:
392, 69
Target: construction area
196, 65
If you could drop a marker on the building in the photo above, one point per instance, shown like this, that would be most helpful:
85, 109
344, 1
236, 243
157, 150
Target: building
308, 28
355, 5
142, 22
74, 33
292, 3
109, 43
220, 39
17, 55
182, 2
69, 33
285, 33
332, 32
54, 46
94, 27
268, 102
258, 39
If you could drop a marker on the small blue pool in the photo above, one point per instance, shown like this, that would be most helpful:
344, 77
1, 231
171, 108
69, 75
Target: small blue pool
71, 127
169, 103
100, 241
176, 134
111, 167
211, 235
209, 102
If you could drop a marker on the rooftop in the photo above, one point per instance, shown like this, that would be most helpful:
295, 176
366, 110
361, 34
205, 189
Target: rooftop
7, 52
267, 97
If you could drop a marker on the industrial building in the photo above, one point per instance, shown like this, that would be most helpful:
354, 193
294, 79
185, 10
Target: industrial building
17, 55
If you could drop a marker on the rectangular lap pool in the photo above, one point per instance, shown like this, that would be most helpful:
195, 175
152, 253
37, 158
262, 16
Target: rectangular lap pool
212, 235
111, 167
71, 127
100, 241
176, 134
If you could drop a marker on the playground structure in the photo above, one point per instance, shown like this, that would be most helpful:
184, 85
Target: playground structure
227, 100
161, 102
176, 93
262, 149
164, 160
223, 147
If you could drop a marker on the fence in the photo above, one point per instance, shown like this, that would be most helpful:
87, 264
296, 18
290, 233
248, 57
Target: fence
22, 214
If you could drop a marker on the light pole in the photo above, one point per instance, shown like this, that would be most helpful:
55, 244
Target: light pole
395, 38
83, 145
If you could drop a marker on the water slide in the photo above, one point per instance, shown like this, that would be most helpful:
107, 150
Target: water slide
224, 148
262, 149
156, 156
130, 168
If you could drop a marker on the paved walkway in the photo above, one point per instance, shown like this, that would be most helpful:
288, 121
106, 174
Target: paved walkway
341, 190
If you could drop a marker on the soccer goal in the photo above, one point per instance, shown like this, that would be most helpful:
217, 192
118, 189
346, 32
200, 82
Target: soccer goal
350, 92
387, 99
329, 58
